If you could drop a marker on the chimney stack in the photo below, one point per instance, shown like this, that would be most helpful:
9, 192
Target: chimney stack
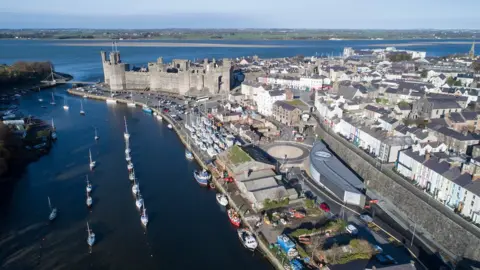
427, 156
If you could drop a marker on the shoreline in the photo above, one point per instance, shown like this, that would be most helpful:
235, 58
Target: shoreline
262, 246
169, 44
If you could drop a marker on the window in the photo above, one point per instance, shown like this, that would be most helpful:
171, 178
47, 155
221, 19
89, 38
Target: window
471, 204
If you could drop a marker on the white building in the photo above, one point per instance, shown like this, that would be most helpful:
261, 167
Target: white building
265, 100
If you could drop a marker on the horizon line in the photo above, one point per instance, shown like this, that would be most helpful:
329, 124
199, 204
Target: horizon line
252, 28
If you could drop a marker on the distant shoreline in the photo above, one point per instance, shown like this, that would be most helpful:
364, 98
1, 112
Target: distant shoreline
169, 44
430, 43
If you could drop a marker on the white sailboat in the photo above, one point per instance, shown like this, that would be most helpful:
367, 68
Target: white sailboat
188, 154
127, 148
89, 201
53, 211
170, 126
53, 100
130, 166
144, 217
96, 135
91, 236
131, 175
92, 162
65, 105
139, 201
128, 158
54, 132
82, 112
88, 188
135, 187
126, 135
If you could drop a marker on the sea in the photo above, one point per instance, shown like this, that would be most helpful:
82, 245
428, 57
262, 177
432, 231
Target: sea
187, 229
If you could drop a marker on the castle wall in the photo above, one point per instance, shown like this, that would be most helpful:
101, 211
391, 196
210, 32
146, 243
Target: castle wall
117, 77
137, 80
107, 71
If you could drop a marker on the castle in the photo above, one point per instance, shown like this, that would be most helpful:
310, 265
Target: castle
179, 77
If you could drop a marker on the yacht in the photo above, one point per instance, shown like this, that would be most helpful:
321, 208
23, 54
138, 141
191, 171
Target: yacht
65, 106
111, 101
135, 188
130, 166
222, 199
96, 135
211, 152
170, 126
54, 132
144, 217
247, 239
139, 201
53, 211
82, 112
131, 175
92, 162
53, 100
128, 158
89, 201
202, 177
126, 135
88, 188
91, 236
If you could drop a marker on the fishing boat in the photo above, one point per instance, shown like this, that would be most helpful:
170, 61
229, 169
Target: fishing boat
96, 135
82, 112
147, 109
92, 162
233, 217
53, 100
144, 217
53, 211
54, 132
91, 236
126, 135
88, 188
135, 187
89, 201
222, 199
139, 201
202, 177
65, 105
131, 175
170, 126
247, 239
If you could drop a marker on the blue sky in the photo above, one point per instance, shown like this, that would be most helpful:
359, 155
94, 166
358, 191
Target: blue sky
352, 14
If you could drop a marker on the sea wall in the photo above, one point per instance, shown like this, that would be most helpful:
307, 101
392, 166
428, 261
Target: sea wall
449, 231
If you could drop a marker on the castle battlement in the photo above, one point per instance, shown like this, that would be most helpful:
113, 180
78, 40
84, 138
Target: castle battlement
209, 77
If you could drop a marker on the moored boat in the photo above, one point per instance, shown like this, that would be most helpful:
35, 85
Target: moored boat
135, 188
188, 154
126, 135
91, 236
65, 105
170, 126
82, 112
131, 175
222, 199
92, 162
139, 201
233, 217
147, 109
144, 217
54, 131
89, 201
111, 101
202, 177
53, 211
247, 239
130, 166
89, 187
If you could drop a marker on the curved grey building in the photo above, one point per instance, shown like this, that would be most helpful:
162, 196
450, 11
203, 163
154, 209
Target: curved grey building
330, 173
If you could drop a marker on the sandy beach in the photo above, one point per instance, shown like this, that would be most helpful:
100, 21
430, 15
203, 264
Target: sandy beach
429, 43
167, 44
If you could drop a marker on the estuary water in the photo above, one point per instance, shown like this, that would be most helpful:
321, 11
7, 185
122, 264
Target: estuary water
187, 229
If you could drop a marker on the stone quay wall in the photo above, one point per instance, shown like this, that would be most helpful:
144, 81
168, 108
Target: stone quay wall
452, 233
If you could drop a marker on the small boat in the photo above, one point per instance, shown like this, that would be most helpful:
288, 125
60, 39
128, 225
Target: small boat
53, 211
130, 166
135, 188
147, 109
54, 132
82, 112
88, 188
233, 217
128, 150
40, 100
159, 117
96, 135
247, 239
139, 201
170, 126
131, 175
65, 105
128, 158
91, 236
144, 217
53, 100
111, 101
89, 201
188, 154
92, 162
126, 135
202, 177
222, 199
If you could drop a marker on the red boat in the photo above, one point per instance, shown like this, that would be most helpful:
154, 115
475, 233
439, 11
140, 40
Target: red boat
234, 217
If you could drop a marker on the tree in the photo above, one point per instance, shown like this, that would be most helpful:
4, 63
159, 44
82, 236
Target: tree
450, 81
476, 66
424, 73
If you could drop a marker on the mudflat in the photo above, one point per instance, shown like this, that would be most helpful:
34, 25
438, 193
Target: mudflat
167, 44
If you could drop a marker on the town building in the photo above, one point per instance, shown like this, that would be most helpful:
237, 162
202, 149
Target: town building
286, 113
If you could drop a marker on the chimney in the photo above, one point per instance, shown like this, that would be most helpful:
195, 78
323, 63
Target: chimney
427, 156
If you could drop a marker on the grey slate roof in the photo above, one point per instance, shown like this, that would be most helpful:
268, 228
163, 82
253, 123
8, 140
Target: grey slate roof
456, 117
436, 166
284, 105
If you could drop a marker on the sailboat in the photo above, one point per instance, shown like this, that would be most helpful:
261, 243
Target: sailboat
53, 211
130, 166
96, 135
127, 148
144, 217
82, 112
89, 186
89, 200
188, 154
135, 188
131, 175
91, 236
65, 106
128, 158
92, 162
54, 132
126, 135
139, 201
53, 100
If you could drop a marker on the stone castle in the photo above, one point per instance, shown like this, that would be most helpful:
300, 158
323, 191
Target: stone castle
179, 77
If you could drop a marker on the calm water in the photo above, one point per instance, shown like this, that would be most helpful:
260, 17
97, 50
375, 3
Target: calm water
187, 229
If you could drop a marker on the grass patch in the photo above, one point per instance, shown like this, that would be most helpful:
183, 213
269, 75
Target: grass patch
272, 204
295, 102
301, 232
237, 155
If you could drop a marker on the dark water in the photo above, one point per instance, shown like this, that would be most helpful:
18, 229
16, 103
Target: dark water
187, 229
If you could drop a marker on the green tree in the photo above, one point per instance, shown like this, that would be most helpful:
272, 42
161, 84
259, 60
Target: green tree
450, 81
424, 73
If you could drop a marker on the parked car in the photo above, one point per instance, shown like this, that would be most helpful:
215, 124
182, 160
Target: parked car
377, 249
385, 259
367, 218
351, 229
324, 206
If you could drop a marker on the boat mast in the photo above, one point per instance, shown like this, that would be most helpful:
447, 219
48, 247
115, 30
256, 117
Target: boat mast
90, 155
53, 125
49, 204
126, 128
88, 229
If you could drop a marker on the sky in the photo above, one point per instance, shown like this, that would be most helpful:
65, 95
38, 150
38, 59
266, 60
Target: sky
314, 14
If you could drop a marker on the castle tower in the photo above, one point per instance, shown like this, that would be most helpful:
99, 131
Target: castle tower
471, 54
